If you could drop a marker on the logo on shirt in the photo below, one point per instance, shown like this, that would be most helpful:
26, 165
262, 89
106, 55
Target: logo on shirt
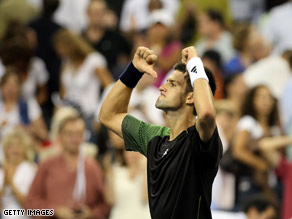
194, 69
165, 152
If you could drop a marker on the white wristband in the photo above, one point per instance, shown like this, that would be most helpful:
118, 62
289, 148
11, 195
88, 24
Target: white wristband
196, 70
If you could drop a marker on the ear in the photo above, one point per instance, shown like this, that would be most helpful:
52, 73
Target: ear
190, 98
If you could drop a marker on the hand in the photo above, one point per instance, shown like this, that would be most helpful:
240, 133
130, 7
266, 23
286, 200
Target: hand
64, 213
144, 60
84, 212
188, 53
9, 174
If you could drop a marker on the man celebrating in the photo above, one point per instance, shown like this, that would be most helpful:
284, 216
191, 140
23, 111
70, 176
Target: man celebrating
182, 160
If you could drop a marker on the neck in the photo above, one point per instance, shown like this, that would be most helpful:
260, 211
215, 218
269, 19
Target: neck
14, 163
215, 35
10, 104
71, 158
263, 120
179, 121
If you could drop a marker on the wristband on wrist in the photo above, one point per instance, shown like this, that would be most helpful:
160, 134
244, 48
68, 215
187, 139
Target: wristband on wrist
196, 70
131, 76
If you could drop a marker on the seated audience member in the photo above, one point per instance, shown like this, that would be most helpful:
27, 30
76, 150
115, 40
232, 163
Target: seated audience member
214, 35
263, 72
15, 111
159, 38
70, 183
17, 52
17, 171
55, 148
110, 43
235, 90
250, 46
258, 126
84, 74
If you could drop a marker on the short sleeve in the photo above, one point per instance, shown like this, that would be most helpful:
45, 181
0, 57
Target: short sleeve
137, 134
40, 71
34, 110
96, 60
209, 153
248, 123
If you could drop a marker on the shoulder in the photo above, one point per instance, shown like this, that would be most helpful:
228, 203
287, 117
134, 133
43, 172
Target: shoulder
50, 163
96, 59
247, 122
130, 122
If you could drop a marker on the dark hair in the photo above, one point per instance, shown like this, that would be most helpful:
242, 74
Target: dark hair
214, 56
229, 79
212, 81
50, 6
260, 202
215, 16
16, 52
248, 107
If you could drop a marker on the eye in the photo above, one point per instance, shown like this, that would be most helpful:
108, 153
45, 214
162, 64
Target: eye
173, 84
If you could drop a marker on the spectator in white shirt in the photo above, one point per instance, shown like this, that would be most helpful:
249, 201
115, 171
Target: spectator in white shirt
17, 172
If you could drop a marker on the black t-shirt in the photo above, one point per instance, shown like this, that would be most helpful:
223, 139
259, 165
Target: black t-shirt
180, 172
112, 45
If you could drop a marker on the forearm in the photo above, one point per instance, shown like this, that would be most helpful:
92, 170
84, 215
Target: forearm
109, 188
273, 143
250, 159
203, 100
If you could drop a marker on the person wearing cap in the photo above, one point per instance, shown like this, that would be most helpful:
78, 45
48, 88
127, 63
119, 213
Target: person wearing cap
182, 159
159, 39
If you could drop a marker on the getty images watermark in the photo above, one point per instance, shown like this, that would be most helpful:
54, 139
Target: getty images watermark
28, 212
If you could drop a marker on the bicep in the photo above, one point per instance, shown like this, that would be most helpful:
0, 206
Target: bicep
240, 142
115, 124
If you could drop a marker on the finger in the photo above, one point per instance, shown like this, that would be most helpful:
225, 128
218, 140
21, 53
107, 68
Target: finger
141, 51
151, 72
147, 53
151, 59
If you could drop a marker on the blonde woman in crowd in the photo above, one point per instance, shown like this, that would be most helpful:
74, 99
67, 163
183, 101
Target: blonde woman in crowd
15, 111
84, 73
18, 170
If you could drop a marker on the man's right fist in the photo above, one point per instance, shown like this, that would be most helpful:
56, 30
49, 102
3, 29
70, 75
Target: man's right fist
144, 60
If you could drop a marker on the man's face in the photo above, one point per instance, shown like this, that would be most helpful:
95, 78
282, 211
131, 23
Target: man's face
173, 92
72, 135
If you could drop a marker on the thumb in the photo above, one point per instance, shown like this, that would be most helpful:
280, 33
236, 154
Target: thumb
151, 72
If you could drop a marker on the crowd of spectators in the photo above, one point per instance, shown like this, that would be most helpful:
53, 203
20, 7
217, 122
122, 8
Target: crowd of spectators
60, 58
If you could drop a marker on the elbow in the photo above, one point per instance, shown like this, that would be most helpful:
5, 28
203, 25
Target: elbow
103, 117
207, 118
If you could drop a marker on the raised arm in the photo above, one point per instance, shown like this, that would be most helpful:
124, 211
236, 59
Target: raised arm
202, 94
115, 105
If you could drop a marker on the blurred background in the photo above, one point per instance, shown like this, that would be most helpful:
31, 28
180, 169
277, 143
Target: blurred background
59, 59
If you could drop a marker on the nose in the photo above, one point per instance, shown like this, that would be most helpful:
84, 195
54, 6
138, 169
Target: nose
162, 88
